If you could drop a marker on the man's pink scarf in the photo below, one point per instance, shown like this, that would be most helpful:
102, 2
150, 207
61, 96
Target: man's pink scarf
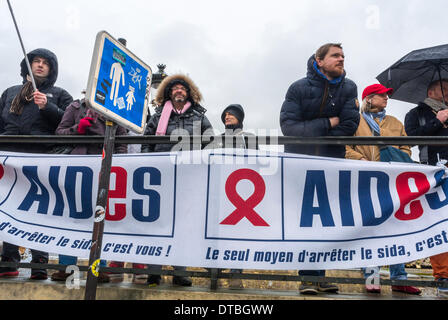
166, 114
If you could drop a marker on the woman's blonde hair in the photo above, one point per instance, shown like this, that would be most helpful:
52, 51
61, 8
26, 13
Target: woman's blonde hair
365, 105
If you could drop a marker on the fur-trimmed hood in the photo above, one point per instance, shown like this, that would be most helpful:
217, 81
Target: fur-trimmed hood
194, 95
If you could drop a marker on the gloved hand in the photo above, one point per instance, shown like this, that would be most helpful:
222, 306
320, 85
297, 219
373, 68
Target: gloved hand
84, 123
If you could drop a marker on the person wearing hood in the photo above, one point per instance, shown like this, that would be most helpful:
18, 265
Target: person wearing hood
24, 111
233, 117
324, 103
178, 112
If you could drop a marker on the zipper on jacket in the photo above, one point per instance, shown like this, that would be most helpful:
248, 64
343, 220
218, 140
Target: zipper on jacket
322, 104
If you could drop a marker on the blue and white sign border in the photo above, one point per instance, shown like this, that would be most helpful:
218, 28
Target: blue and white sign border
93, 81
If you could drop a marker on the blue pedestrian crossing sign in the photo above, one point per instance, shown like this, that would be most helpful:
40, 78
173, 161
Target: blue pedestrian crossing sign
119, 84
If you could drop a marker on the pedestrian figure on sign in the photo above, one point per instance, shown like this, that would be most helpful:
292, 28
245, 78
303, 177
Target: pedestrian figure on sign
130, 99
117, 76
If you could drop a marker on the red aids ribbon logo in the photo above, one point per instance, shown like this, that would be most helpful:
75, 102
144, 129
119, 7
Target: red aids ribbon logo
245, 208
2, 171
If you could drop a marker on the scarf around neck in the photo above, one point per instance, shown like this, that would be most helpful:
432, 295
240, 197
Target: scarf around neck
370, 119
166, 114
434, 104
334, 81
234, 126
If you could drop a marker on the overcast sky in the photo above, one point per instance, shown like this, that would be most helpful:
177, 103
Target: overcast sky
236, 51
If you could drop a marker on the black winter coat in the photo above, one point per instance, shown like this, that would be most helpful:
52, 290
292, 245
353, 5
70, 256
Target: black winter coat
432, 127
192, 122
301, 114
33, 121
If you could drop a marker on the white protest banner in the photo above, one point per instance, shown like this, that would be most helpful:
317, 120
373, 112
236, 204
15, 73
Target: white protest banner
228, 209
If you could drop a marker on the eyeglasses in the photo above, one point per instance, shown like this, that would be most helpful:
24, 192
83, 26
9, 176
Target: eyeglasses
178, 87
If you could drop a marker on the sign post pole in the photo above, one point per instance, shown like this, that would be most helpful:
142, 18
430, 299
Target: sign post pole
118, 88
100, 211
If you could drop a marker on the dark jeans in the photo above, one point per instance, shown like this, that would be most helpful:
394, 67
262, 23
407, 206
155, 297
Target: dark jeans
159, 267
11, 253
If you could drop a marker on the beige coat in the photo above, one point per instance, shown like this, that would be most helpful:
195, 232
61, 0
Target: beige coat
389, 127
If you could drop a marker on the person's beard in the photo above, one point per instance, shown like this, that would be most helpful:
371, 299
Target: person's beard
335, 74
179, 99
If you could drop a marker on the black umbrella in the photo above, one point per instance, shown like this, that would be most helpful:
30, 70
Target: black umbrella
411, 75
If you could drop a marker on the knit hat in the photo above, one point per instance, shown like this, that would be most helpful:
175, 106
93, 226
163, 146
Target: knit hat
236, 110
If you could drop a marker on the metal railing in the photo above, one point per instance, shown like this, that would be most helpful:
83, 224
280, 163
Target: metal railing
264, 140
215, 274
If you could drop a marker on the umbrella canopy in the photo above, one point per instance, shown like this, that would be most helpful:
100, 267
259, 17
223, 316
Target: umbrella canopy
411, 75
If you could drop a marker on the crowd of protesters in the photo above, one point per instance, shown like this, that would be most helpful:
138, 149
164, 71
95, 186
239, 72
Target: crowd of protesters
323, 103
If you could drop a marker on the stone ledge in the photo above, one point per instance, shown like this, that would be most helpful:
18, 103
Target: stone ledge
24, 289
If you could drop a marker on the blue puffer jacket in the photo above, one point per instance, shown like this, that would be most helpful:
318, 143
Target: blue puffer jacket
301, 113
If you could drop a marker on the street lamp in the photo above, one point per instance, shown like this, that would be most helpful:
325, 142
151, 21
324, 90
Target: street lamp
159, 76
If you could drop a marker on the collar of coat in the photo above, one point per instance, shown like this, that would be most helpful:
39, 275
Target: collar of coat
334, 81
194, 108
313, 72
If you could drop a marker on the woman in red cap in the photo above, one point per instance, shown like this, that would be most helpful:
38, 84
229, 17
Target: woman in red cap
375, 122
